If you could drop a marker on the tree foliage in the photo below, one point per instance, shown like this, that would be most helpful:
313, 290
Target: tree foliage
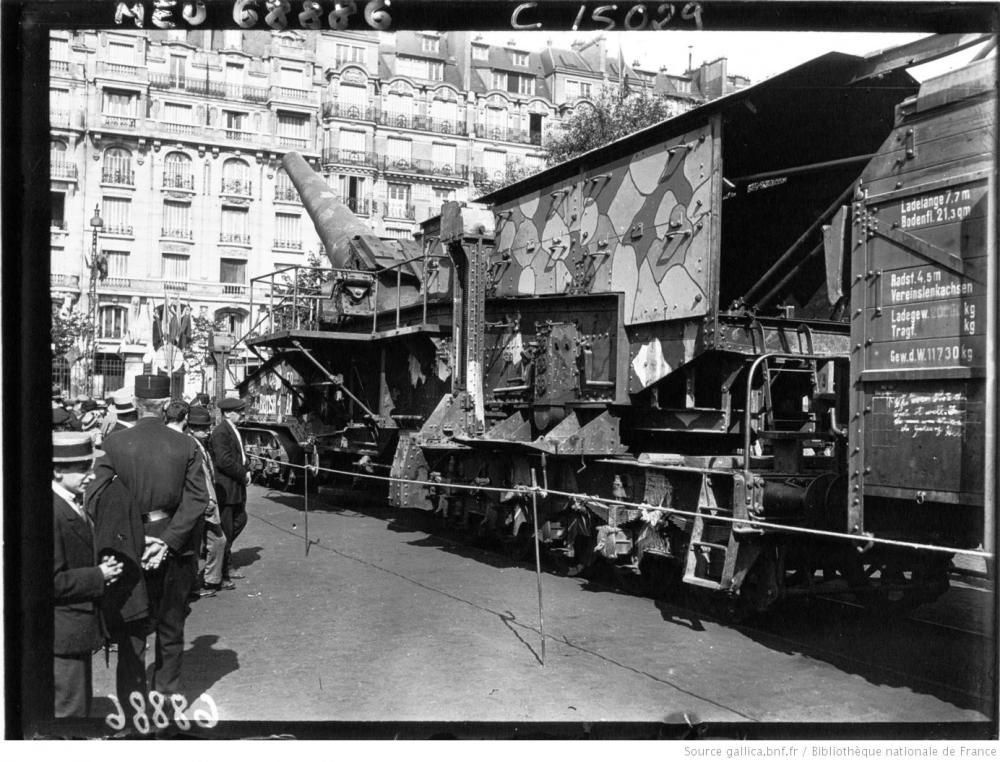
612, 115
70, 329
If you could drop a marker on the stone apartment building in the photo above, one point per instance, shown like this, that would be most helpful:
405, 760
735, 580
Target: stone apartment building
172, 141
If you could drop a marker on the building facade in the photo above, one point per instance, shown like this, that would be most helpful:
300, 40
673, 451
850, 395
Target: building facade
166, 149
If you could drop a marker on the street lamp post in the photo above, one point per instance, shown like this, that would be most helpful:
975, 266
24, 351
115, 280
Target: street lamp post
95, 264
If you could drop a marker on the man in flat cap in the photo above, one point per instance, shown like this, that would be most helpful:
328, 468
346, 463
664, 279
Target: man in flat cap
162, 471
231, 477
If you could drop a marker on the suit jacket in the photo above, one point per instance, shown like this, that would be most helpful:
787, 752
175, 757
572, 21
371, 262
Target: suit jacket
161, 469
77, 583
118, 531
230, 471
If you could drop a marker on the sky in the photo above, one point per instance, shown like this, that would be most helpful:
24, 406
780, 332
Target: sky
757, 55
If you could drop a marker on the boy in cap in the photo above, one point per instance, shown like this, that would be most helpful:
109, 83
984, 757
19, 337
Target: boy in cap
232, 477
78, 583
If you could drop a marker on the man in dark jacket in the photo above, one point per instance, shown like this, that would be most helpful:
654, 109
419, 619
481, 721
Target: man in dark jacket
162, 471
231, 478
79, 581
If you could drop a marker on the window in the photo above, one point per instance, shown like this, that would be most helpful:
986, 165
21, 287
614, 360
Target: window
58, 164
526, 85
351, 141
352, 193
118, 103
353, 95
293, 126
235, 122
495, 164
118, 167
520, 59
234, 226
291, 77
58, 49
445, 111
443, 156
117, 215
59, 210
112, 322
350, 54
397, 105
480, 53
534, 163
232, 271
287, 231
121, 53
420, 68
177, 171
58, 99
399, 150
178, 65
576, 89
177, 113
499, 80
496, 124
236, 177
234, 74
117, 263
232, 320
176, 219
399, 200
174, 267
430, 44
283, 188
443, 194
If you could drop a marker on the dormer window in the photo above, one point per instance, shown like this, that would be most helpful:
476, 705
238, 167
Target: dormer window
430, 44
480, 52
520, 59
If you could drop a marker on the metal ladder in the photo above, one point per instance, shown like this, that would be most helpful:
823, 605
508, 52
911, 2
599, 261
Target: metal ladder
710, 563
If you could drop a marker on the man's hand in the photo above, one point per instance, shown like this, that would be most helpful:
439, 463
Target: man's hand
155, 552
249, 476
110, 568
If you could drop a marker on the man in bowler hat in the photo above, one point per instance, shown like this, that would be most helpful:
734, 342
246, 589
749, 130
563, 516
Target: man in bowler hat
79, 581
162, 471
231, 477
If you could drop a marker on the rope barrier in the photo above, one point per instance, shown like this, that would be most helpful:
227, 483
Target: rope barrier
646, 508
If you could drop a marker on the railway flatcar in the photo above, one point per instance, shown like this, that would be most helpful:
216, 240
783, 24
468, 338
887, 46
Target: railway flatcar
749, 350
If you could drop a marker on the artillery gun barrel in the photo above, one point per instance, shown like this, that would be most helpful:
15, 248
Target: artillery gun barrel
335, 223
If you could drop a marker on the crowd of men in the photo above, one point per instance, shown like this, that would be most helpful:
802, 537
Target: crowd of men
148, 498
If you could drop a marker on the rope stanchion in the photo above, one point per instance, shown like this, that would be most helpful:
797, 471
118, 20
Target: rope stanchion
305, 502
538, 559
582, 497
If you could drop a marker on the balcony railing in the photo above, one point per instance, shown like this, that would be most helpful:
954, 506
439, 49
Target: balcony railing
363, 206
286, 194
424, 167
178, 181
237, 187
396, 119
294, 245
114, 120
254, 94
234, 289
349, 111
116, 283
446, 126
120, 69
63, 169
242, 238
59, 66
189, 84
400, 210
293, 142
355, 158
178, 128
59, 118
241, 136
59, 224
62, 280
118, 229
181, 233
292, 94
508, 135
175, 285
118, 176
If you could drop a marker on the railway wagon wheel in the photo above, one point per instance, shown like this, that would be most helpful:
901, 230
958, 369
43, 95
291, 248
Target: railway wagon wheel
891, 583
